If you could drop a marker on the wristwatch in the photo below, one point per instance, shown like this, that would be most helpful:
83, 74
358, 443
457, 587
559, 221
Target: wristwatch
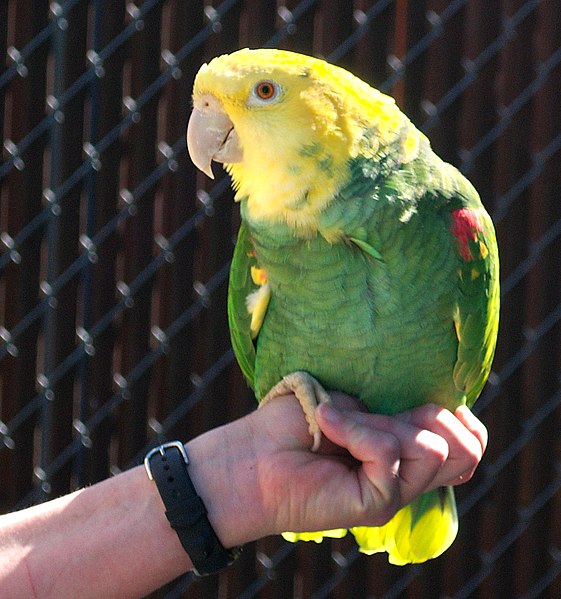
167, 465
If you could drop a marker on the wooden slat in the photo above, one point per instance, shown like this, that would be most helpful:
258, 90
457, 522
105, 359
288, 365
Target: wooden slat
21, 202
102, 191
63, 247
137, 235
492, 92
539, 379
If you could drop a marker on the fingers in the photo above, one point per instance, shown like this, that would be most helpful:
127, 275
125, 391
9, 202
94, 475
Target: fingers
379, 455
474, 425
344, 402
422, 453
464, 434
398, 460
407, 455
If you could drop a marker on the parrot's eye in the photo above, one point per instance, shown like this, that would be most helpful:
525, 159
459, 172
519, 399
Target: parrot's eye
265, 91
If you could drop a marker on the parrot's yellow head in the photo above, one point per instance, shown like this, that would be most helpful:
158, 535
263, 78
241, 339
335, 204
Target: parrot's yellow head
286, 125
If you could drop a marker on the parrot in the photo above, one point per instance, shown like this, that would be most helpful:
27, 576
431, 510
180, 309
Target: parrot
364, 263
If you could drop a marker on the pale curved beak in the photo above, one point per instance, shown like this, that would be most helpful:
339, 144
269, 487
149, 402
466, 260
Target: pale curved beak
211, 136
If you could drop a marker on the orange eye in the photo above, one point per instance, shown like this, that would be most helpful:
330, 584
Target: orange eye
265, 90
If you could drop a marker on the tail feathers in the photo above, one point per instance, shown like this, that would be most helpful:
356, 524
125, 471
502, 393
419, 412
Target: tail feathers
420, 531
318, 537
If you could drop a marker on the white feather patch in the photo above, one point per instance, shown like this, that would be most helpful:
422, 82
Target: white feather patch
256, 304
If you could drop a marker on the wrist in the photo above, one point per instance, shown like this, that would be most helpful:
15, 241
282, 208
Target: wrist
167, 466
222, 467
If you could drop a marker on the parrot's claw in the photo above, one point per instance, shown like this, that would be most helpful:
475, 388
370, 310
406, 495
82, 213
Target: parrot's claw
308, 392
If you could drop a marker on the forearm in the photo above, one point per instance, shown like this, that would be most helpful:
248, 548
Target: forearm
256, 476
95, 542
113, 539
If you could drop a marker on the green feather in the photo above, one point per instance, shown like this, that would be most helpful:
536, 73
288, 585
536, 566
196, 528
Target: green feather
239, 287
365, 247
478, 310
383, 303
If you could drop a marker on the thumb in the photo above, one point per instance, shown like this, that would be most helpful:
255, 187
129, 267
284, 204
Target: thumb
378, 452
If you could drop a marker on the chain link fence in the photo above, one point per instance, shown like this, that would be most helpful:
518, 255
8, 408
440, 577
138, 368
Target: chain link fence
115, 258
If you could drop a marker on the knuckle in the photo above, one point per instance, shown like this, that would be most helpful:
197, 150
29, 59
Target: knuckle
388, 448
427, 415
436, 448
473, 457
440, 450
469, 461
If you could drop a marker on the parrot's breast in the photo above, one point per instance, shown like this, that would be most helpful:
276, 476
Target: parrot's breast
381, 331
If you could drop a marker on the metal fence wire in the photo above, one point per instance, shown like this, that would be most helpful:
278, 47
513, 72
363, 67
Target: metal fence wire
115, 258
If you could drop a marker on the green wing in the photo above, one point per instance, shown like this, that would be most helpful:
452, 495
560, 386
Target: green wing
477, 315
239, 288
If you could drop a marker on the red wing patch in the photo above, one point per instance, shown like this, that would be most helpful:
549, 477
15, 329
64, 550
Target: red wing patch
465, 227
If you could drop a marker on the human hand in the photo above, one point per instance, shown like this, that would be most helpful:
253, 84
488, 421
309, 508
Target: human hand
256, 477
367, 468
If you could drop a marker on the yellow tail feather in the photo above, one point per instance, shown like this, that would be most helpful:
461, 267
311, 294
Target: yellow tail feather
338, 533
420, 531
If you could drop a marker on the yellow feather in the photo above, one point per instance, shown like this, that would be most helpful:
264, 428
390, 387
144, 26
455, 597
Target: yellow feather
407, 543
325, 112
317, 537
258, 275
257, 303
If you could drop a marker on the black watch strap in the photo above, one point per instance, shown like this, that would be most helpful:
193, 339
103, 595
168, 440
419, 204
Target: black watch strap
185, 511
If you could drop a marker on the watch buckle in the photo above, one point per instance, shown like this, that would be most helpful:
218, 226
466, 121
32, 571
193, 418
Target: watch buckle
161, 449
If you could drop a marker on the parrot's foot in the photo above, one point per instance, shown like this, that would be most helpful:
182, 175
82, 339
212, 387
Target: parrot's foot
308, 392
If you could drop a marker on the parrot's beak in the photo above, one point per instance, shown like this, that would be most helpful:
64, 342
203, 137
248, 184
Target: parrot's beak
211, 135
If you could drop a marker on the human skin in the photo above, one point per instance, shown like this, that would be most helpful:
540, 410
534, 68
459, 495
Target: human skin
257, 477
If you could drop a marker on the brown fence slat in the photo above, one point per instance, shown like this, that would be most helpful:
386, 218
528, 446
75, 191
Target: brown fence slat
102, 205
540, 380
129, 345
21, 202
138, 234
178, 203
515, 75
63, 247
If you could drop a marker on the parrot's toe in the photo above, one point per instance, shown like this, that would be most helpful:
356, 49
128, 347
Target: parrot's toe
316, 434
308, 392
